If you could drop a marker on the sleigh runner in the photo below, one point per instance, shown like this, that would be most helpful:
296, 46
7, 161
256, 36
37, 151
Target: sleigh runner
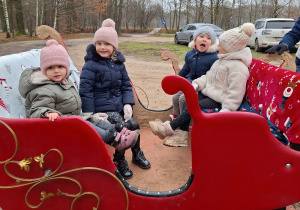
241, 166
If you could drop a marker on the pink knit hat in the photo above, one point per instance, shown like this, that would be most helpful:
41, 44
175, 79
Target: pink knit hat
236, 39
54, 54
107, 33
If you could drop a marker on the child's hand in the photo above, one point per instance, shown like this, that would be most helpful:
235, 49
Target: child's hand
195, 86
52, 116
127, 112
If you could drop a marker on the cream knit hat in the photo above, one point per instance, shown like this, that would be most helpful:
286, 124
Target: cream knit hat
236, 39
107, 33
54, 54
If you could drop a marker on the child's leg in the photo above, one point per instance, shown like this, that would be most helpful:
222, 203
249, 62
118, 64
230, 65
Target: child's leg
176, 103
181, 102
207, 103
138, 156
105, 130
120, 140
122, 165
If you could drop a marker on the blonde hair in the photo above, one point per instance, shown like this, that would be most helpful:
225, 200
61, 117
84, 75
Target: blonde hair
114, 55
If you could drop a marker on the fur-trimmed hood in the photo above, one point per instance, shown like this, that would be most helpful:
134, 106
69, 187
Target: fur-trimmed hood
91, 54
33, 78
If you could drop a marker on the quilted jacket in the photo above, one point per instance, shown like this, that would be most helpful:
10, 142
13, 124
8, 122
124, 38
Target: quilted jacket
104, 84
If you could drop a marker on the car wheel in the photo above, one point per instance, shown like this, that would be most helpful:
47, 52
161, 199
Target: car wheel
176, 40
256, 46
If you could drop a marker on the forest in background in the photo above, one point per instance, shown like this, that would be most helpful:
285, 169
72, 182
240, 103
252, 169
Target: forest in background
19, 17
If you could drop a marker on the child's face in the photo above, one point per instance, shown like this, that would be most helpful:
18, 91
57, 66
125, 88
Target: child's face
221, 50
104, 49
203, 42
56, 73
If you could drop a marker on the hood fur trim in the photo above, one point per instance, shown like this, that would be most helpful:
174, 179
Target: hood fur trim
38, 77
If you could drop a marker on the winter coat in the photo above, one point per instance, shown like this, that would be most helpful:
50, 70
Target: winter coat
43, 95
226, 81
104, 84
198, 63
291, 38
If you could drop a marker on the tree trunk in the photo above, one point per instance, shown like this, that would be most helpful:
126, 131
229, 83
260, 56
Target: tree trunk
2, 18
19, 17
55, 14
6, 18
119, 17
37, 14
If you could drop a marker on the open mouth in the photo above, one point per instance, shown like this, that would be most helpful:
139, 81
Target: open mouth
202, 45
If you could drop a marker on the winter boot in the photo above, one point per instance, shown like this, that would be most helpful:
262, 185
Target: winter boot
125, 139
178, 139
161, 129
122, 165
138, 157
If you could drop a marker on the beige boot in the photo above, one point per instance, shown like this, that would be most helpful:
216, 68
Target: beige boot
161, 129
178, 139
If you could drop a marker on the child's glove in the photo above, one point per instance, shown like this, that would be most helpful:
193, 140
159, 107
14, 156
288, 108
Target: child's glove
99, 116
127, 112
195, 86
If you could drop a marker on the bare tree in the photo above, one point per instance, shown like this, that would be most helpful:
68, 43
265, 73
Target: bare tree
4, 3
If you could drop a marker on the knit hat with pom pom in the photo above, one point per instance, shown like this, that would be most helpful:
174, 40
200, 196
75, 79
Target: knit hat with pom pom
54, 54
107, 33
236, 39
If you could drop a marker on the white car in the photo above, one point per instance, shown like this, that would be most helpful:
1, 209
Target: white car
269, 32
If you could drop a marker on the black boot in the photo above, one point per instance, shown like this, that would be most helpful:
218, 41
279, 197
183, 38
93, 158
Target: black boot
122, 165
138, 157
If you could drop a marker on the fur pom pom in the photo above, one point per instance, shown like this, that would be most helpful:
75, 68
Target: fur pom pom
248, 28
51, 42
108, 23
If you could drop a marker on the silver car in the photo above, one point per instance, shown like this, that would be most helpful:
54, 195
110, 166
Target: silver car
269, 32
185, 35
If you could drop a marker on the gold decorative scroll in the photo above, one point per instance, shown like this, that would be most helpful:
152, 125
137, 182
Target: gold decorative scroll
48, 177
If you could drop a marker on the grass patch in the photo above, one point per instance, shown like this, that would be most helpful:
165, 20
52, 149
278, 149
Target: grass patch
152, 50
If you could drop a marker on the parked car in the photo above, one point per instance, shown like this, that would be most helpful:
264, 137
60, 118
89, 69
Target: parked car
185, 35
269, 32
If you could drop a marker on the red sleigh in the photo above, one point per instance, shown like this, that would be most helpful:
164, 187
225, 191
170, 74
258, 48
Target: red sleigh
236, 164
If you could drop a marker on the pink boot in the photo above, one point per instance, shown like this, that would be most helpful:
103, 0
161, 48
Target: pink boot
125, 139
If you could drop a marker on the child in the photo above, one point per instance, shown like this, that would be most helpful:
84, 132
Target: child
105, 88
49, 94
224, 85
197, 62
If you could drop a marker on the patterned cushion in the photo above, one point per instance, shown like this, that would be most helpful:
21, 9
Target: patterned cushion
278, 92
11, 67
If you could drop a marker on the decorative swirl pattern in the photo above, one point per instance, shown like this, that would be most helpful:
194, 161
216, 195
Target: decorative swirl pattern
44, 32
166, 55
50, 176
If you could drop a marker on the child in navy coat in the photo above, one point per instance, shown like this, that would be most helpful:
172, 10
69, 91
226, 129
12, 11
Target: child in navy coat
105, 88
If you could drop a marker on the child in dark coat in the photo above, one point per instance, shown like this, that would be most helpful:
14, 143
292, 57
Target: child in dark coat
197, 62
105, 88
